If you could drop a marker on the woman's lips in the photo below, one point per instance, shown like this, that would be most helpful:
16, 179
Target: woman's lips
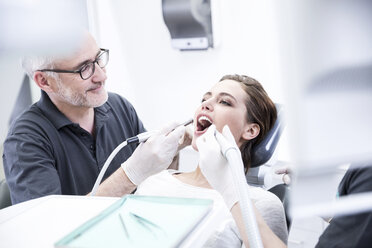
198, 133
201, 118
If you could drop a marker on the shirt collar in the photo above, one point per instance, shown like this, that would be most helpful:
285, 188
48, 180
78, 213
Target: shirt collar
55, 116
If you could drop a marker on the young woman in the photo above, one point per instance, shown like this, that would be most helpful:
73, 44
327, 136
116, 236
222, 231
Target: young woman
241, 103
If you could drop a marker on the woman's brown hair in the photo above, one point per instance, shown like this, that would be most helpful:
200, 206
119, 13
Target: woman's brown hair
260, 110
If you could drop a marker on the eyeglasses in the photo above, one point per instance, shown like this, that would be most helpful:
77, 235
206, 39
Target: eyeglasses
87, 70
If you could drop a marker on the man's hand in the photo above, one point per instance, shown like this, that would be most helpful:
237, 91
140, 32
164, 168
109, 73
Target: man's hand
155, 155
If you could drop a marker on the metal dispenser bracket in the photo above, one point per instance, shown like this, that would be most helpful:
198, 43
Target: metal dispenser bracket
189, 23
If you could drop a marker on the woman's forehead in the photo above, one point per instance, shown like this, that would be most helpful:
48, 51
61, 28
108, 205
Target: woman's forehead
229, 86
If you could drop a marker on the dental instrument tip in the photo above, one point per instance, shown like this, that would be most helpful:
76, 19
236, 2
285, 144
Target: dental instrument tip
188, 122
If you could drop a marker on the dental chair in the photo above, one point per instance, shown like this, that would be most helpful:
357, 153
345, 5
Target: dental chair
23, 101
4, 195
262, 154
264, 150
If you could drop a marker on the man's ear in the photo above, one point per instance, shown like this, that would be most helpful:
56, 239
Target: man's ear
251, 131
42, 81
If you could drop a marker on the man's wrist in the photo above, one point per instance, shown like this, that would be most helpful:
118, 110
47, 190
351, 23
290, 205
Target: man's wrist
128, 173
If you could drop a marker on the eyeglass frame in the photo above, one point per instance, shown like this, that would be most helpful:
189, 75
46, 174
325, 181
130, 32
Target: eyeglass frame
81, 68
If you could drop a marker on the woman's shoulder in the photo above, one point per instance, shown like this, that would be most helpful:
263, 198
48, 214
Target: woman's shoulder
264, 199
271, 210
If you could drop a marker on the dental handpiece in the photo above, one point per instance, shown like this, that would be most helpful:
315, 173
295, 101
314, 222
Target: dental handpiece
142, 137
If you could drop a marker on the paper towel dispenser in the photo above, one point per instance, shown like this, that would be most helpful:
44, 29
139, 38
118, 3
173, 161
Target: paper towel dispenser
189, 23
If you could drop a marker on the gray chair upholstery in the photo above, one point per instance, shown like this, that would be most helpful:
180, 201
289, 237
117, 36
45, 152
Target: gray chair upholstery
4, 195
265, 149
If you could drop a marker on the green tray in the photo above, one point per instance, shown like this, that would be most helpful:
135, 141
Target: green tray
140, 221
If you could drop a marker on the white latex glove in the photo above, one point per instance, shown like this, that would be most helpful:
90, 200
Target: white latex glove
286, 172
155, 155
214, 166
186, 138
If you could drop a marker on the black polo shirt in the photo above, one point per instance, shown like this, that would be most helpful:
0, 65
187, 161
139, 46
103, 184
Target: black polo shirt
45, 153
351, 230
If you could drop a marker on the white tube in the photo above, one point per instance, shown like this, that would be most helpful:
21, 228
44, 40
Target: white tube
105, 166
234, 158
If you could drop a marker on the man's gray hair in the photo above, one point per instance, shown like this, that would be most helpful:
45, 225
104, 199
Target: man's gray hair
32, 64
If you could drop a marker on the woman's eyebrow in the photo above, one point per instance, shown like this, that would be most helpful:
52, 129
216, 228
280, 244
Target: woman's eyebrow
207, 94
220, 94
227, 94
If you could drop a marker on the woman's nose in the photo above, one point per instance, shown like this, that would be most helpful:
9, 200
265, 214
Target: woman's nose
207, 105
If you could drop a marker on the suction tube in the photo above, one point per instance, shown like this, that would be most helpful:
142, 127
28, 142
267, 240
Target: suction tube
233, 156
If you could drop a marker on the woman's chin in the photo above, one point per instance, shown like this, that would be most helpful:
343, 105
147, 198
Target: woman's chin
193, 144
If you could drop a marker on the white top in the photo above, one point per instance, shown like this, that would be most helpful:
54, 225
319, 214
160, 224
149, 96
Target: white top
226, 235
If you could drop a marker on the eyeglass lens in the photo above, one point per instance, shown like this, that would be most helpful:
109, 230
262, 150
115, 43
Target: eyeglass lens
88, 69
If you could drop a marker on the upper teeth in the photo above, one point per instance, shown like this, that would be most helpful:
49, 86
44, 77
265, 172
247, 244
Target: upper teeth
201, 118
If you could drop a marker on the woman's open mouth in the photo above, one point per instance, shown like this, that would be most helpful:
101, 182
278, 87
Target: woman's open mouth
202, 124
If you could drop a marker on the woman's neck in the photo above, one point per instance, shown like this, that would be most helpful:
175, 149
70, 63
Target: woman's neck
195, 178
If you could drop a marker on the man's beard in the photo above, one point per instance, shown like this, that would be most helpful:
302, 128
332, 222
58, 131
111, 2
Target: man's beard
79, 99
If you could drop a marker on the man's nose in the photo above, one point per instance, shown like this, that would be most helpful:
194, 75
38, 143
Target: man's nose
99, 74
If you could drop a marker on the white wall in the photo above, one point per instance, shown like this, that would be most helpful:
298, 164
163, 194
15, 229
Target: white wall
11, 81
12, 76
165, 84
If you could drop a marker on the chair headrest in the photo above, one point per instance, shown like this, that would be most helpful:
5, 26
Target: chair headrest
265, 149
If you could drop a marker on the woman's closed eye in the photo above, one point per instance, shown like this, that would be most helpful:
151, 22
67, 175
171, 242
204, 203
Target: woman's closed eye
205, 99
225, 102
